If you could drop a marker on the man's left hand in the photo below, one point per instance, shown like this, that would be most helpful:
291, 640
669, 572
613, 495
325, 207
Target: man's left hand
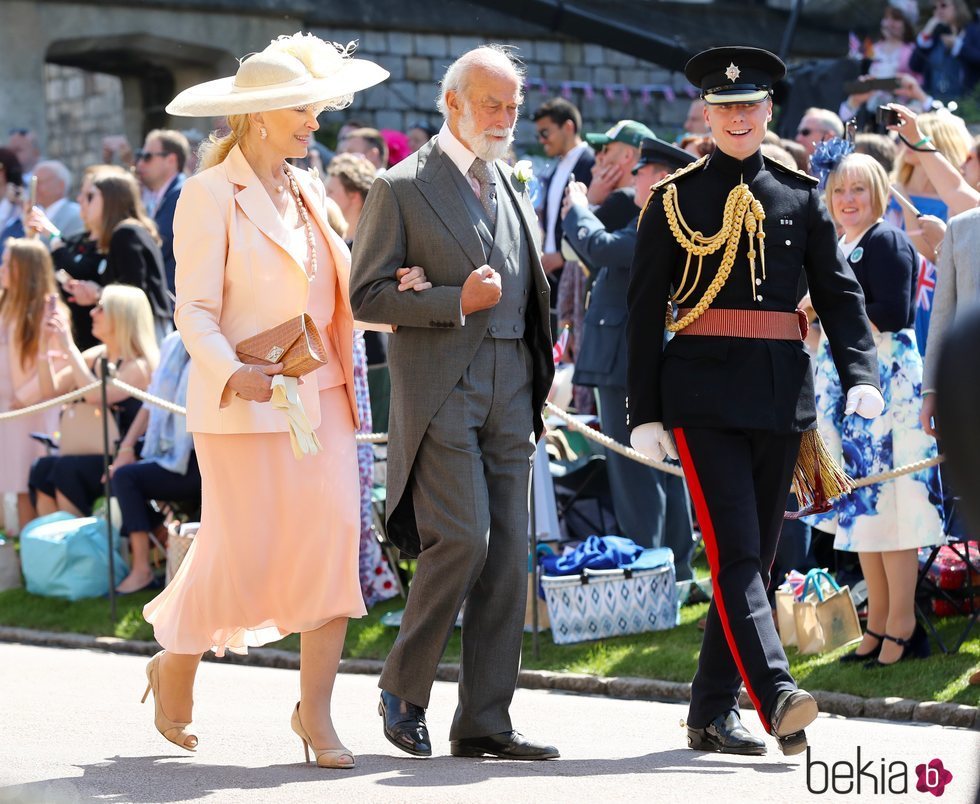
412, 279
864, 400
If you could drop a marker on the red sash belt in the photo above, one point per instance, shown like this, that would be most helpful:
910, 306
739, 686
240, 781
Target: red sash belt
747, 324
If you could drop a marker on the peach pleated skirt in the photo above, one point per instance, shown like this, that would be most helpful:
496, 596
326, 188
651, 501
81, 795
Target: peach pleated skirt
277, 552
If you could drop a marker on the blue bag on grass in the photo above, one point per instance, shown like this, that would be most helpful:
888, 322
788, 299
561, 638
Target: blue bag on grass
67, 557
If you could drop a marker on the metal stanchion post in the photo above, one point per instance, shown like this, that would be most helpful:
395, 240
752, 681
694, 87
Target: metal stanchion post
535, 636
106, 447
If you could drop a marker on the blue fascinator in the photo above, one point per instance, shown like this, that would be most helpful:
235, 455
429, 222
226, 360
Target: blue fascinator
827, 156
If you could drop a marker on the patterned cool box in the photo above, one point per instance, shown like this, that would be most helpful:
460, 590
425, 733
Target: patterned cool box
605, 603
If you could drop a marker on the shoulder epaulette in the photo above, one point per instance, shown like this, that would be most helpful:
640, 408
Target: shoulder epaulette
772, 164
700, 163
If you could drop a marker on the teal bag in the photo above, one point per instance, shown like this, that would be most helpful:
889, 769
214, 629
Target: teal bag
67, 557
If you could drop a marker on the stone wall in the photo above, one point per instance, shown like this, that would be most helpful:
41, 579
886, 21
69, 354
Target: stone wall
82, 108
607, 86
638, 90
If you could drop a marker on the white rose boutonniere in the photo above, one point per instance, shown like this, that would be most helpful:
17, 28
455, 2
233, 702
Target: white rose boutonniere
524, 171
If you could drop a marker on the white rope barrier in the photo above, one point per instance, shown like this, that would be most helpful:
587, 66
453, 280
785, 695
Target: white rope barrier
382, 438
50, 403
609, 443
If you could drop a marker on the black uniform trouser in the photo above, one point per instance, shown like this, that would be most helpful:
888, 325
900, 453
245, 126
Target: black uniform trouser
739, 480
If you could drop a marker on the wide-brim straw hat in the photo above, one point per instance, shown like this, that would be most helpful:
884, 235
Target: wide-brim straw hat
292, 71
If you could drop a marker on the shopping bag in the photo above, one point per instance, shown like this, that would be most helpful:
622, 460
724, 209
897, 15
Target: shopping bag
825, 618
787, 593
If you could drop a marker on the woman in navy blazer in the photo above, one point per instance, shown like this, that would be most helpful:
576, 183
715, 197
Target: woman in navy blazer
885, 523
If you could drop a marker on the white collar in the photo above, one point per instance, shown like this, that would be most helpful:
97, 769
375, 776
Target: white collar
55, 208
459, 154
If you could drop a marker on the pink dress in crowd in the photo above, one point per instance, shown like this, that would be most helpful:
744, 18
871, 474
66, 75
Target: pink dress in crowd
19, 386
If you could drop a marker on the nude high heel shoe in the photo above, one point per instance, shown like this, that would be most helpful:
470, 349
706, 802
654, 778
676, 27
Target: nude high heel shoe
325, 757
174, 732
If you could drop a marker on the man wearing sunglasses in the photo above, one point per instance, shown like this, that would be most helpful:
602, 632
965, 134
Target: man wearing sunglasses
816, 126
160, 168
559, 125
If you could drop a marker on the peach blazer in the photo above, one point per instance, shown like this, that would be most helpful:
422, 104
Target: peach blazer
236, 276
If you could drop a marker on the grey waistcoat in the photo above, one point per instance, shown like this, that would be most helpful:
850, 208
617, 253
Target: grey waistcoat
507, 253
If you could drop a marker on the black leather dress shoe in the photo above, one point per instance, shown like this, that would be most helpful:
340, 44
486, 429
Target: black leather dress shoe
404, 725
725, 734
793, 712
506, 745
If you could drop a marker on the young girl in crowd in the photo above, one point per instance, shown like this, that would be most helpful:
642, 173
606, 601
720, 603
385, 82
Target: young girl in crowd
27, 290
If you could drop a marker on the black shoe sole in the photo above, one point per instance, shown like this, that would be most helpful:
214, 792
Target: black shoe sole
796, 716
705, 743
476, 753
399, 746
792, 744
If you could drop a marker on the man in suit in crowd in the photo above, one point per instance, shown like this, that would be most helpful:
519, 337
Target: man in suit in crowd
160, 167
53, 183
732, 392
559, 125
470, 366
651, 507
957, 289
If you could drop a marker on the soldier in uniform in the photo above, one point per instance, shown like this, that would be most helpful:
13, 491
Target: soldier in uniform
721, 245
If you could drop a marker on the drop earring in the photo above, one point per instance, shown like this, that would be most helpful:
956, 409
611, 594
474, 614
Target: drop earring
262, 132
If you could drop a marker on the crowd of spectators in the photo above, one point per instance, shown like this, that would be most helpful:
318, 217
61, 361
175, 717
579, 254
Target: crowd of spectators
93, 271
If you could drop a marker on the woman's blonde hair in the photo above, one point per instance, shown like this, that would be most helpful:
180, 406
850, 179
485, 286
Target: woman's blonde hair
121, 204
215, 148
864, 167
22, 304
949, 135
128, 313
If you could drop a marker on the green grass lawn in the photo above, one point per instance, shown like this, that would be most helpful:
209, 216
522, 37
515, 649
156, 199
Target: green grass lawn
670, 655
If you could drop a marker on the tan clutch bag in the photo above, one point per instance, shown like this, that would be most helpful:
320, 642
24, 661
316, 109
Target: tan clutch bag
294, 343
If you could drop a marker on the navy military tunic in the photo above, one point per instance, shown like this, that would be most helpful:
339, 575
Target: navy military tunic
708, 381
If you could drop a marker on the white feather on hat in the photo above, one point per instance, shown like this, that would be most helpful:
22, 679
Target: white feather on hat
295, 70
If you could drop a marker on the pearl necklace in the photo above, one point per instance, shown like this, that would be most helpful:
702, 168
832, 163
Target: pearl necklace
304, 215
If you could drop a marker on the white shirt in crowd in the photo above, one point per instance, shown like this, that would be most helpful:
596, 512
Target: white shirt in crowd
556, 191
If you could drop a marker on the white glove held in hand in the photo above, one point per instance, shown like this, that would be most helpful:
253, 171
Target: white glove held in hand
864, 400
653, 441
285, 395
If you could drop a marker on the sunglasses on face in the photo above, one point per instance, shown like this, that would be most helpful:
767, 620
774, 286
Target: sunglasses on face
146, 156
544, 133
806, 132
23, 132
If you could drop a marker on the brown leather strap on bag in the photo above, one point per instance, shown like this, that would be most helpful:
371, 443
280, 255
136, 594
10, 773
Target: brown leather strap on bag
747, 324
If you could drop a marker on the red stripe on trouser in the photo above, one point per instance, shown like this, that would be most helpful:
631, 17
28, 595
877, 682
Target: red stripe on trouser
711, 549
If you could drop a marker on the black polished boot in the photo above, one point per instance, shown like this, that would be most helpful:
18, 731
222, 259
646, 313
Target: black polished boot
506, 745
727, 735
404, 725
793, 712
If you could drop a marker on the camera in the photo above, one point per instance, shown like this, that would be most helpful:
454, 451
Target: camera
887, 116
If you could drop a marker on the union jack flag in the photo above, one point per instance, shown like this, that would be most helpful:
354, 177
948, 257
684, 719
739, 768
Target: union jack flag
925, 284
559, 348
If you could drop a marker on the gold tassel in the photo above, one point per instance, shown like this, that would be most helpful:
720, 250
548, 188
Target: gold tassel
817, 479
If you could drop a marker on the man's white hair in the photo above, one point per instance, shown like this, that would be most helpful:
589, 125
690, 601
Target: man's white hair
493, 58
59, 169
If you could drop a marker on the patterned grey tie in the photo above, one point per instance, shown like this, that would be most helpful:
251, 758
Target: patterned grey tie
480, 171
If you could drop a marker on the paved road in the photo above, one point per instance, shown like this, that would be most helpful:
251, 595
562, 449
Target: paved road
71, 729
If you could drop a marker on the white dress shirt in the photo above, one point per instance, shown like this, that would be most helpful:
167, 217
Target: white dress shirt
556, 191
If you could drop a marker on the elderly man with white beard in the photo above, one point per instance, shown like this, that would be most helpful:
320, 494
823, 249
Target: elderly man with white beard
471, 364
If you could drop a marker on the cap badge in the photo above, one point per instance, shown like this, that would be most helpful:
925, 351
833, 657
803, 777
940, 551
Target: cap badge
732, 72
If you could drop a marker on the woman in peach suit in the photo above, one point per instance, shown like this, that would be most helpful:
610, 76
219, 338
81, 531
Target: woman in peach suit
277, 549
